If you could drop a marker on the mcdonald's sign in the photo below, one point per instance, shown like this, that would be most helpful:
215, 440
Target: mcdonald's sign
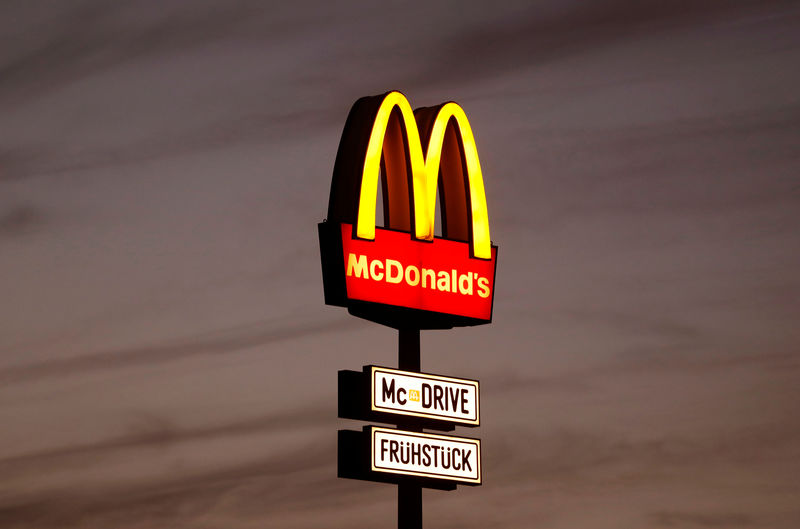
401, 274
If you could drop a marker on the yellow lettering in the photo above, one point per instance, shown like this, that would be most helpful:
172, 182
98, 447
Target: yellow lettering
415, 281
359, 266
483, 287
397, 276
426, 273
377, 276
393, 271
443, 283
465, 279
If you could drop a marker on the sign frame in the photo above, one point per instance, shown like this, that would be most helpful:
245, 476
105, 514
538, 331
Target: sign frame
334, 280
416, 156
474, 442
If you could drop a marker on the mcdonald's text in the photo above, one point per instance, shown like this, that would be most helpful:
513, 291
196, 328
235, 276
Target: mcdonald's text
437, 276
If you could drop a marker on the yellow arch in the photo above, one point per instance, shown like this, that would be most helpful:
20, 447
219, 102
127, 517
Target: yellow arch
425, 173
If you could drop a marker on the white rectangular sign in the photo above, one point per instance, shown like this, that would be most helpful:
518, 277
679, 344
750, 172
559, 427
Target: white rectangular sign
422, 395
426, 455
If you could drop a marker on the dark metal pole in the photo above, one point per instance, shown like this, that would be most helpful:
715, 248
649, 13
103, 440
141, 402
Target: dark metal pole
408, 350
409, 495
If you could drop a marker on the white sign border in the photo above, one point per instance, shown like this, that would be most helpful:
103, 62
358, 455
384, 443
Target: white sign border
450, 438
426, 376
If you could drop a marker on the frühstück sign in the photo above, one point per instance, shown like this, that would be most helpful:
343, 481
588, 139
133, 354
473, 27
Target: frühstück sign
426, 455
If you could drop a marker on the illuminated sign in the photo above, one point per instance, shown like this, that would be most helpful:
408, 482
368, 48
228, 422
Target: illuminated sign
401, 274
426, 455
438, 277
426, 396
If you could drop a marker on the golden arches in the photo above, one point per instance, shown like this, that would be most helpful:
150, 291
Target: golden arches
424, 172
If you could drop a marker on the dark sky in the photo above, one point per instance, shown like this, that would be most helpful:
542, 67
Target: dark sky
166, 359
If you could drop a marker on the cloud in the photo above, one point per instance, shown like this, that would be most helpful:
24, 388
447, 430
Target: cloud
85, 39
250, 490
19, 220
150, 431
689, 519
225, 341
546, 33
251, 127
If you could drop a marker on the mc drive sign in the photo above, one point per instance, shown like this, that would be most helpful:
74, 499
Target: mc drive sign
422, 395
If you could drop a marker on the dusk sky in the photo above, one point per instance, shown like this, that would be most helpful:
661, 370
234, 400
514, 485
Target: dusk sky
166, 356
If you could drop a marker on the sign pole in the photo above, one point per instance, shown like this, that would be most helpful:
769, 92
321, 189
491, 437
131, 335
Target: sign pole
409, 495
408, 357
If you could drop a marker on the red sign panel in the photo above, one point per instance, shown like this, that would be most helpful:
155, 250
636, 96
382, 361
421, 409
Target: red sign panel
437, 276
